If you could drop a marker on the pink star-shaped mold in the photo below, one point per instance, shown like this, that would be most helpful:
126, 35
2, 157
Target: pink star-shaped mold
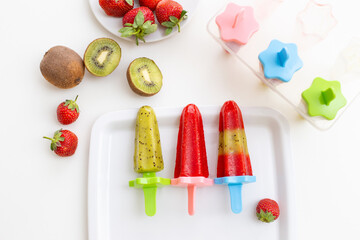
237, 23
317, 19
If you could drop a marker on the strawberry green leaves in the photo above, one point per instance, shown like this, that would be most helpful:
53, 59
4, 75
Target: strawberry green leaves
174, 21
72, 105
55, 141
139, 19
265, 216
139, 28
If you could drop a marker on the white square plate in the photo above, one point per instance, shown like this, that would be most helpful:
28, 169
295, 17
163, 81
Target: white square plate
116, 211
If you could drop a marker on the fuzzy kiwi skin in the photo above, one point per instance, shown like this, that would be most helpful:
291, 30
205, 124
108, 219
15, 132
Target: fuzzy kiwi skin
133, 87
62, 67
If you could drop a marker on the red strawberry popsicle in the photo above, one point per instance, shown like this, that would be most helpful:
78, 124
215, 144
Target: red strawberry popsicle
191, 167
234, 166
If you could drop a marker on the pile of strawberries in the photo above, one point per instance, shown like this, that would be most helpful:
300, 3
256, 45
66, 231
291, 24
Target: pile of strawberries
64, 142
140, 21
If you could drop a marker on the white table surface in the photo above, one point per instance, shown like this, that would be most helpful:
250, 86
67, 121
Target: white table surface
44, 197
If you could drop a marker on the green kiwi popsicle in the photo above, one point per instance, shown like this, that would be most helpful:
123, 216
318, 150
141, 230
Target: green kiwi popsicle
148, 156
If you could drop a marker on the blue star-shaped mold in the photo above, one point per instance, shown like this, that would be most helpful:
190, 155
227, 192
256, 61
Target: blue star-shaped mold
280, 60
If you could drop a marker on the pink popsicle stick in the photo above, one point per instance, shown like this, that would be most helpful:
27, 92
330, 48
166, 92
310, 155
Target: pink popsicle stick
191, 183
239, 17
191, 199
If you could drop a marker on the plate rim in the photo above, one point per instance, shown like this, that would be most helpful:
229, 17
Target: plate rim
93, 7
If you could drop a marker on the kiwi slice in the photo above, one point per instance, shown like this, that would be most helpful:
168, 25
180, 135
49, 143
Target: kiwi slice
144, 77
102, 56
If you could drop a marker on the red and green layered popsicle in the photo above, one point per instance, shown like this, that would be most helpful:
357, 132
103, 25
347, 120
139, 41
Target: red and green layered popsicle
234, 166
191, 169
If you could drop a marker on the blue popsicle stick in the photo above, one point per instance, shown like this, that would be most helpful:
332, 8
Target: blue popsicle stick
235, 184
235, 197
283, 56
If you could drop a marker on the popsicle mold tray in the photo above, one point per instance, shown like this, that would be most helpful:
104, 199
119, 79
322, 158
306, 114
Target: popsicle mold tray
327, 44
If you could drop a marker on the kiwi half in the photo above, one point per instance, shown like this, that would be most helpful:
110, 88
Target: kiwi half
102, 56
144, 77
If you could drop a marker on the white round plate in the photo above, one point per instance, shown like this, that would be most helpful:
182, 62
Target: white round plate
113, 24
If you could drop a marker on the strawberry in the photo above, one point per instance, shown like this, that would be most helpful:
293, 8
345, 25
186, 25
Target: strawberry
64, 143
138, 22
131, 15
267, 210
116, 8
151, 4
68, 111
169, 14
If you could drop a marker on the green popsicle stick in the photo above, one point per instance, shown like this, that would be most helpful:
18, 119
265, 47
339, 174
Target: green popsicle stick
150, 200
149, 183
150, 195
328, 95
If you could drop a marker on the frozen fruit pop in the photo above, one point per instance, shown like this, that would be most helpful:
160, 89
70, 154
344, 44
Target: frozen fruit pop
233, 157
191, 167
234, 166
191, 159
148, 157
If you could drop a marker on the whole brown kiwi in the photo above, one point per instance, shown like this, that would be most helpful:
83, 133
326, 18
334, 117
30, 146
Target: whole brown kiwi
62, 67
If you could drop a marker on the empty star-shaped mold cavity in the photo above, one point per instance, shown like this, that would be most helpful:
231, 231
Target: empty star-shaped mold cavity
280, 60
351, 57
237, 23
324, 98
317, 19
347, 64
265, 8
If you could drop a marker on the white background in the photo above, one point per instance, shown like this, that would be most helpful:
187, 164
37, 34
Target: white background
44, 197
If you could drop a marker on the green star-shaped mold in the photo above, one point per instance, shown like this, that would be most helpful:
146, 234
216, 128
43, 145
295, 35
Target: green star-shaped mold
324, 98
